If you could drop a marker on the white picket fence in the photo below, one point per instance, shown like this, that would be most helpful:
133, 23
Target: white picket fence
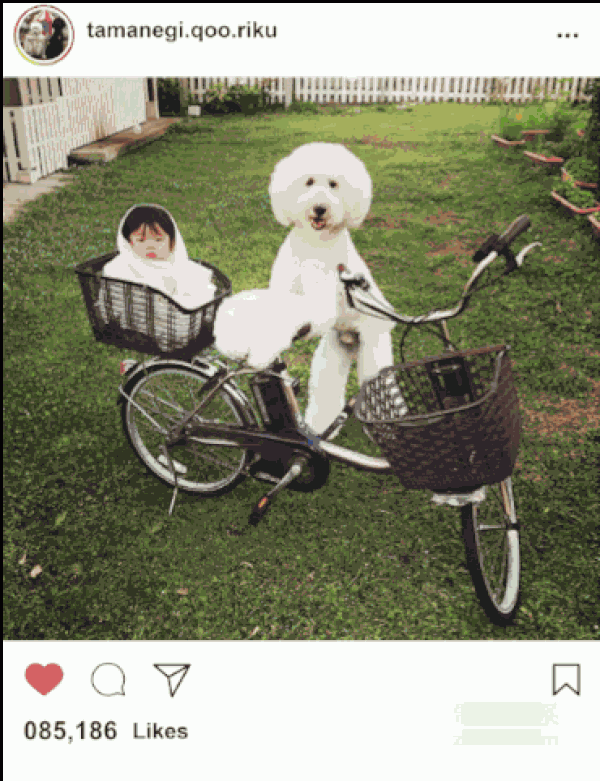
63, 116
59, 115
365, 90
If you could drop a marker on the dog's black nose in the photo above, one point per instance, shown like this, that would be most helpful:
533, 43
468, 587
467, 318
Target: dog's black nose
319, 211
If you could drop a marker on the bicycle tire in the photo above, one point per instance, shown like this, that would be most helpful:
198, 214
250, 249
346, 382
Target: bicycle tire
149, 456
500, 603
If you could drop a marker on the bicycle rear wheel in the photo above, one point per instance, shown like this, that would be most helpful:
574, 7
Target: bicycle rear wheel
166, 392
491, 537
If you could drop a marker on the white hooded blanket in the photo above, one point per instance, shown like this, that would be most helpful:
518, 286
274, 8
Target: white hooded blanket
186, 282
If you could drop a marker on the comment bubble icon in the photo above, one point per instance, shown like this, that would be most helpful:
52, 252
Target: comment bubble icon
108, 679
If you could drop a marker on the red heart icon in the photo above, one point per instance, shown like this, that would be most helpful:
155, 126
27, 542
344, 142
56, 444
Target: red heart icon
43, 679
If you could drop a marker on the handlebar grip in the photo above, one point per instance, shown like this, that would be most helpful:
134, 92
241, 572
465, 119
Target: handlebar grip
520, 225
489, 245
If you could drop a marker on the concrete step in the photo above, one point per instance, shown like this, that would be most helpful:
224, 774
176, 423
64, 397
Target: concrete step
107, 149
15, 194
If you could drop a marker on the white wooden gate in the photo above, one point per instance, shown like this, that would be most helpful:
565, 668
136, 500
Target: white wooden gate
37, 138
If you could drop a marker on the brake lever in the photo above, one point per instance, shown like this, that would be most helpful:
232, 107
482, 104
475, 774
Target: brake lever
512, 262
521, 256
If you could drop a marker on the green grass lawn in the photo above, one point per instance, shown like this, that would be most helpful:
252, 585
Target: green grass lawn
362, 558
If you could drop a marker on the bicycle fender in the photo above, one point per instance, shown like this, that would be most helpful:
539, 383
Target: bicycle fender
132, 374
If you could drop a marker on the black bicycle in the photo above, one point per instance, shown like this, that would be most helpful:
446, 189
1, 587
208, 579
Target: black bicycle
448, 423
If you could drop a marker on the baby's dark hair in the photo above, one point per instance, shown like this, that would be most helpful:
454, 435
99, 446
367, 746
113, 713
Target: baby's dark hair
150, 216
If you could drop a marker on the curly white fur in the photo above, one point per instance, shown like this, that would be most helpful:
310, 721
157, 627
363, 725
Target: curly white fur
321, 190
257, 325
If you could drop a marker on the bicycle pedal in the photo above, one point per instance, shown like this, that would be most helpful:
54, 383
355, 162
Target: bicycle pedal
259, 510
179, 468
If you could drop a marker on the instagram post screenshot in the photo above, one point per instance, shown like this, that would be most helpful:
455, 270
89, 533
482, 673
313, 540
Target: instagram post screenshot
301, 391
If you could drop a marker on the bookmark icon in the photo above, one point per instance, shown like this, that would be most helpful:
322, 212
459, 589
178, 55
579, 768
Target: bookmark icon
566, 676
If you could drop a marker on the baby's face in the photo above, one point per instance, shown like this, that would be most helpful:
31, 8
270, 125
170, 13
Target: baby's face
150, 243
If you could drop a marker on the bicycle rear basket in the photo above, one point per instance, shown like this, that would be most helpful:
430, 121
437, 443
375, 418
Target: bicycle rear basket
138, 317
460, 425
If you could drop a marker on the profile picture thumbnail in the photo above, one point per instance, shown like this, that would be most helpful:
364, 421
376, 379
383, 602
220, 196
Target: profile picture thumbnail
44, 35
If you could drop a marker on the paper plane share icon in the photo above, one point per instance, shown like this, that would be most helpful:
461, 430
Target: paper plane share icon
174, 673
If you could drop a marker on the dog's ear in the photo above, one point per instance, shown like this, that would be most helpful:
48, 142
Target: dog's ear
357, 198
280, 180
357, 189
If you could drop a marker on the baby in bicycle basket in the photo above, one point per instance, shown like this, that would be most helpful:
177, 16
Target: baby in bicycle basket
152, 252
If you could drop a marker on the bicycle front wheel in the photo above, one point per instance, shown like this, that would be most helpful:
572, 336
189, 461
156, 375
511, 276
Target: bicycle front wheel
166, 392
491, 537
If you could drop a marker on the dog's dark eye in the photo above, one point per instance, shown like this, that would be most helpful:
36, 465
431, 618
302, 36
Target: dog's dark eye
333, 184
310, 182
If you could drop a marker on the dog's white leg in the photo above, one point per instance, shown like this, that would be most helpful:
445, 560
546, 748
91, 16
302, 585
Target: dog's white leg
375, 353
327, 386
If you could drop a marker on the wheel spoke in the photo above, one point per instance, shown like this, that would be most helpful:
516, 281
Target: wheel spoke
154, 407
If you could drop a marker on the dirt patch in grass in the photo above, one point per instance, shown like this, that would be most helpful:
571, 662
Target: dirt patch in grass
559, 420
586, 350
554, 421
446, 182
456, 247
392, 222
442, 218
565, 417
384, 143
400, 220
571, 243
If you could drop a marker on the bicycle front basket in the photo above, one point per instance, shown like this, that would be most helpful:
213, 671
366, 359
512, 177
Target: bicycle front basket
447, 422
138, 317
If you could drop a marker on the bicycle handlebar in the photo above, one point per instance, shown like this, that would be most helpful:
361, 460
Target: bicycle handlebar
484, 257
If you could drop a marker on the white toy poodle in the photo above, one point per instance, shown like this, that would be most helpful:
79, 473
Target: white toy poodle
321, 190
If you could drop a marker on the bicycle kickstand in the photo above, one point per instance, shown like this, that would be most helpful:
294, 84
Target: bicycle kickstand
167, 456
262, 506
